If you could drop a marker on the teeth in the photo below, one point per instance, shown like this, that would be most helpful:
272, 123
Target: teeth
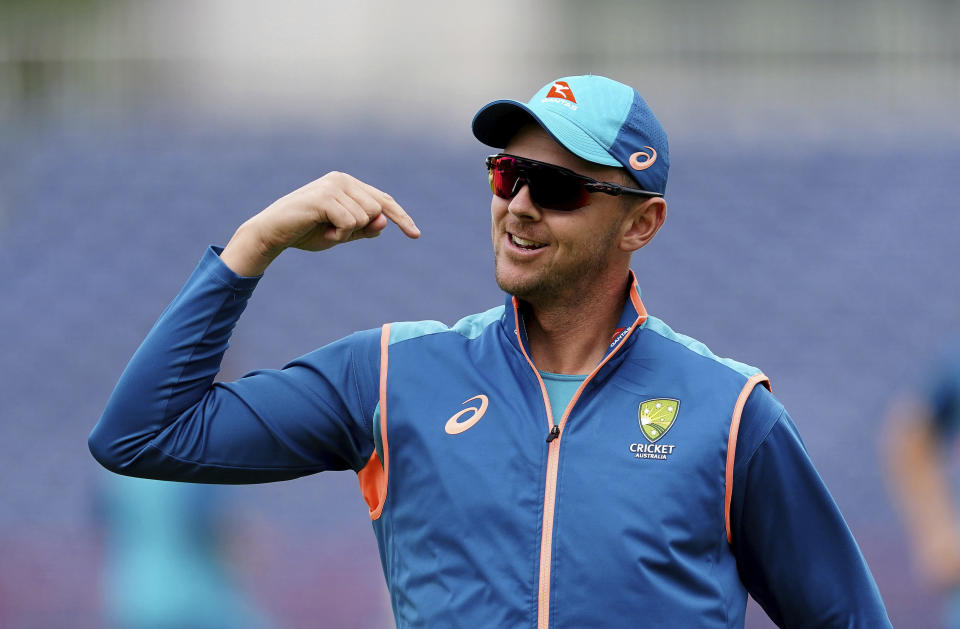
524, 243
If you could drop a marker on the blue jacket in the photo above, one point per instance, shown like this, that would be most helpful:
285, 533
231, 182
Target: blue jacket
671, 486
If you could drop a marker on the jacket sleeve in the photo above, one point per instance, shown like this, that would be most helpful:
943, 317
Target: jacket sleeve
168, 420
795, 553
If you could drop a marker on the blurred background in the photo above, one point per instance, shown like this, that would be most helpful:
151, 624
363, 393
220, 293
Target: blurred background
813, 229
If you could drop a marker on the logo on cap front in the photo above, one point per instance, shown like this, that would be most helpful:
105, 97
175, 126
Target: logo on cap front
560, 89
647, 159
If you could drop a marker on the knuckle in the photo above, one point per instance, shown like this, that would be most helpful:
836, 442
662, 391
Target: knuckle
337, 178
371, 207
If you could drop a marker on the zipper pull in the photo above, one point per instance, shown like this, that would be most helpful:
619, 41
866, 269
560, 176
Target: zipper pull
554, 433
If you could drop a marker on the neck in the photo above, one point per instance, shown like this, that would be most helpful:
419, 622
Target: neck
571, 337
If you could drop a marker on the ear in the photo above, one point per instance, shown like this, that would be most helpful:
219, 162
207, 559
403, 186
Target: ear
642, 222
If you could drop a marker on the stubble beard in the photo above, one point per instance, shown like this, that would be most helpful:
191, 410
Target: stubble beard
560, 283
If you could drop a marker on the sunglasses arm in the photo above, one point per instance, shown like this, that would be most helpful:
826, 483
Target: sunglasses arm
615, 190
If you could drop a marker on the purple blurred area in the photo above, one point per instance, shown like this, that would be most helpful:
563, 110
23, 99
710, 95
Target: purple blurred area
812, 231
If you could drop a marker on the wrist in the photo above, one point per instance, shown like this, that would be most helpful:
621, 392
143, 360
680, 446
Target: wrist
246, 254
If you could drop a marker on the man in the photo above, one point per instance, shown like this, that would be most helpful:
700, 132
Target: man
921, 433
564, 460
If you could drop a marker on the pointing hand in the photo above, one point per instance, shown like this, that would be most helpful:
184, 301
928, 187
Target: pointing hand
328, 211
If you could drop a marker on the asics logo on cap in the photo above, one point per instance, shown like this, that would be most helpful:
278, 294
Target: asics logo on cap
648, 159
560, 89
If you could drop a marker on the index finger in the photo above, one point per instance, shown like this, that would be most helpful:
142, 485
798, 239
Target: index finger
394, 212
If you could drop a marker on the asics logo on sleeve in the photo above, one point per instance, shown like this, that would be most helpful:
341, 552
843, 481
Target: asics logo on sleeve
648, 159
455, 426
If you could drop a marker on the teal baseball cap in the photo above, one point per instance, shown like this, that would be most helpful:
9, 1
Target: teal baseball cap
596, 118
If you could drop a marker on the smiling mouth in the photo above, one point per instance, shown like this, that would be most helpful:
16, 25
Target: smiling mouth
522, 243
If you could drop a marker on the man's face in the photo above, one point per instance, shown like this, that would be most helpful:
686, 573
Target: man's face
543, 255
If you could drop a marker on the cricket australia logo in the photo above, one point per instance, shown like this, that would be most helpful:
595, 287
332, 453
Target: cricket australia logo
656, 417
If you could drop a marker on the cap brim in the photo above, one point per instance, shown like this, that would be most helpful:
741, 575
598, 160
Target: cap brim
496, 124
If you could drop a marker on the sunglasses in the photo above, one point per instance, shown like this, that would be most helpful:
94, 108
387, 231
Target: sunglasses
550, 186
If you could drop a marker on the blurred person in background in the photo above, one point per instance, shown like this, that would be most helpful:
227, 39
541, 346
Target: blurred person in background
563, 460
169, 558
921, 440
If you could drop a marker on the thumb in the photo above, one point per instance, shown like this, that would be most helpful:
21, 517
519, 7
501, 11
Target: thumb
338, 234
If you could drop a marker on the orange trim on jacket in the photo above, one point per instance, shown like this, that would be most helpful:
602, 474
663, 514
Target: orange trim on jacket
752, 382
374, 475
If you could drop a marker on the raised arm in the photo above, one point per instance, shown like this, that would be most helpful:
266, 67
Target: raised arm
167, 418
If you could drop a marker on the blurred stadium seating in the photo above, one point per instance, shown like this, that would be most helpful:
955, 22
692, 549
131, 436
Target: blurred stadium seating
812, 230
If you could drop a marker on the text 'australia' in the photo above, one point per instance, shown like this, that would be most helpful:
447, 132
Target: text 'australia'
651, 451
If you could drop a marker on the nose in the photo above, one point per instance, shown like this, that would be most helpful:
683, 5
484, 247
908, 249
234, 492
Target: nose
521, 205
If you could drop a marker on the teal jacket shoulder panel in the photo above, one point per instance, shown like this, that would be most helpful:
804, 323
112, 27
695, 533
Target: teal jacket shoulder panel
656, 325
469, 327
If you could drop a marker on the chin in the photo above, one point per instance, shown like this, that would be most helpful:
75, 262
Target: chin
520, 285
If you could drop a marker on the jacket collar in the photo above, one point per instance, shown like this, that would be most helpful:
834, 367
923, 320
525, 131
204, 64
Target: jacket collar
633, 316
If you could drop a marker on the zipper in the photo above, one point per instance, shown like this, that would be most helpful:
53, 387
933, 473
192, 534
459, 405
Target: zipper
554, 433
554, 439
549, 494
546, 534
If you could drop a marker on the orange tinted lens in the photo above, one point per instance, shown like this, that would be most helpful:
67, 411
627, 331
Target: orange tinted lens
503, 177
